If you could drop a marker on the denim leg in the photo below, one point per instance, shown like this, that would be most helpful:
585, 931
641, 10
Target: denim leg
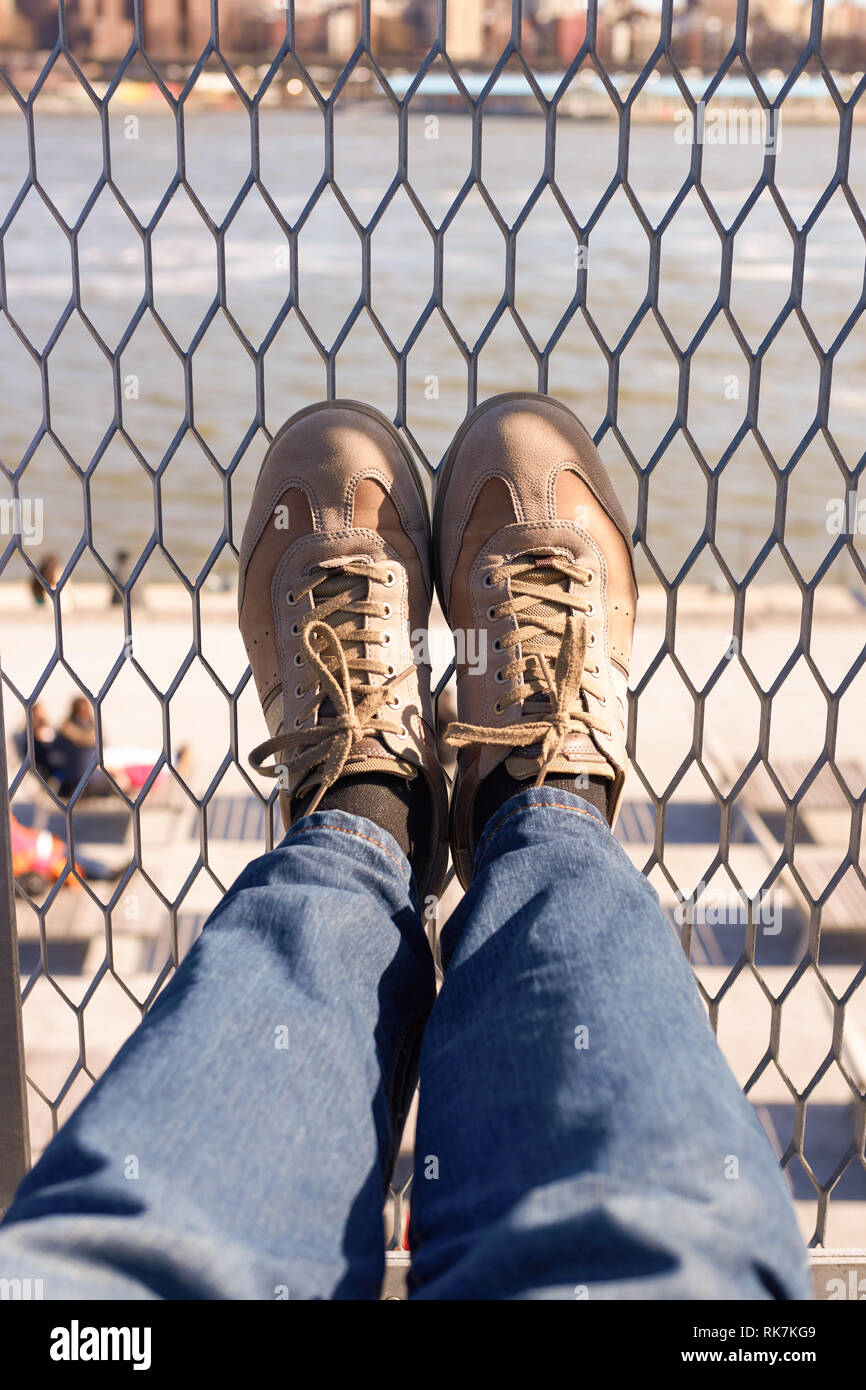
239, 1145
580, 1134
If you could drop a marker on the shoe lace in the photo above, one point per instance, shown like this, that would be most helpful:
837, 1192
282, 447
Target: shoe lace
550, 626
348, 705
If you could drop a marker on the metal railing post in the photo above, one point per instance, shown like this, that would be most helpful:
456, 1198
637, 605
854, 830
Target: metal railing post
14, 1132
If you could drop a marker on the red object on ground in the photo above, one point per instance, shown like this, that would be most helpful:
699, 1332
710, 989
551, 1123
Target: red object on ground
38, 852
138, 774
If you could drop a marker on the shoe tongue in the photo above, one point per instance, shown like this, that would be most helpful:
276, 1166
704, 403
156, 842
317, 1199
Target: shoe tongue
337, 582
545, 575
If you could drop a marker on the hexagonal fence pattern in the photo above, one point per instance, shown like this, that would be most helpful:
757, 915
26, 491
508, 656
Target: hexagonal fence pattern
187, 257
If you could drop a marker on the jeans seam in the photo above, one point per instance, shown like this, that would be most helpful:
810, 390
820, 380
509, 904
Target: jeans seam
539, 806
359, 835
408, 1046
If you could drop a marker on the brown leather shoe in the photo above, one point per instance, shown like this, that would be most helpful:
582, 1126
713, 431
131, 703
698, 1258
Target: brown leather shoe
533, 554
334, 577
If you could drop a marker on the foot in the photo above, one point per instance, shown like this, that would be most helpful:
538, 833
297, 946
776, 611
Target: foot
334, 576
533, 554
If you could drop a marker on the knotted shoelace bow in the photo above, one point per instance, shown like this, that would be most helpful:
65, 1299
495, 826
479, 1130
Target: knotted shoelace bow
337, 675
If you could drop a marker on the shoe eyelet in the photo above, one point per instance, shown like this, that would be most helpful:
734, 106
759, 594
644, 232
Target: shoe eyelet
390, 579
496, 645
386, 639
298, 692
299, 659
391, 670
297, 722
296, 631
488, 580
590, 641
499, 678
602, 699
497, 708
290, 599
394, 701
491, 613
590, 577
404, 732
589, 609
388, 611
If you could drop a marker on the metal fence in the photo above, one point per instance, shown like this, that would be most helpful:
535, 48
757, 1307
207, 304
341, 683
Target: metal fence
773, 803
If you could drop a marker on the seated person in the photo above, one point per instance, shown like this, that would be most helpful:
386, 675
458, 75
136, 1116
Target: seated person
49, 572
67, 753
51, 755
75, 744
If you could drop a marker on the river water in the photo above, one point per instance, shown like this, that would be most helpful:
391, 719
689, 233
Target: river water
193, 430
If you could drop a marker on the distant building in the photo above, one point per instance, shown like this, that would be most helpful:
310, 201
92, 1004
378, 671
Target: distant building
845, 21
397, 29
634, 35
570, 35
464, 37
477, 30
173, 30
705, 31
790, 17
103, 29
30, 23
180, 28
342, 29
16, 31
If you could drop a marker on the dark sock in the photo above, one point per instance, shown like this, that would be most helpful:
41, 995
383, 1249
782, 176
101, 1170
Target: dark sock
500, 785
595, 791
399, 806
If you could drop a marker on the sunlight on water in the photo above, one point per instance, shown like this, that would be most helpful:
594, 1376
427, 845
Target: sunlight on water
258, 277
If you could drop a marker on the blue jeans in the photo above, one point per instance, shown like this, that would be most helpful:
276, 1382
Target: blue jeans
579, 1132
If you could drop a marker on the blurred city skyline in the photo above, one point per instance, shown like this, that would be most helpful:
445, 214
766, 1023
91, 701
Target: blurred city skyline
327, 31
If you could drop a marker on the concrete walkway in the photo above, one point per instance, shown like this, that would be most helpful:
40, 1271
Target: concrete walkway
190, 868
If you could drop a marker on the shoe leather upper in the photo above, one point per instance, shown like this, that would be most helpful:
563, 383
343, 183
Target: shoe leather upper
336, 487
525, 483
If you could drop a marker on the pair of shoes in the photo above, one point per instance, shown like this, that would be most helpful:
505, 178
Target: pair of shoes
534, 569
